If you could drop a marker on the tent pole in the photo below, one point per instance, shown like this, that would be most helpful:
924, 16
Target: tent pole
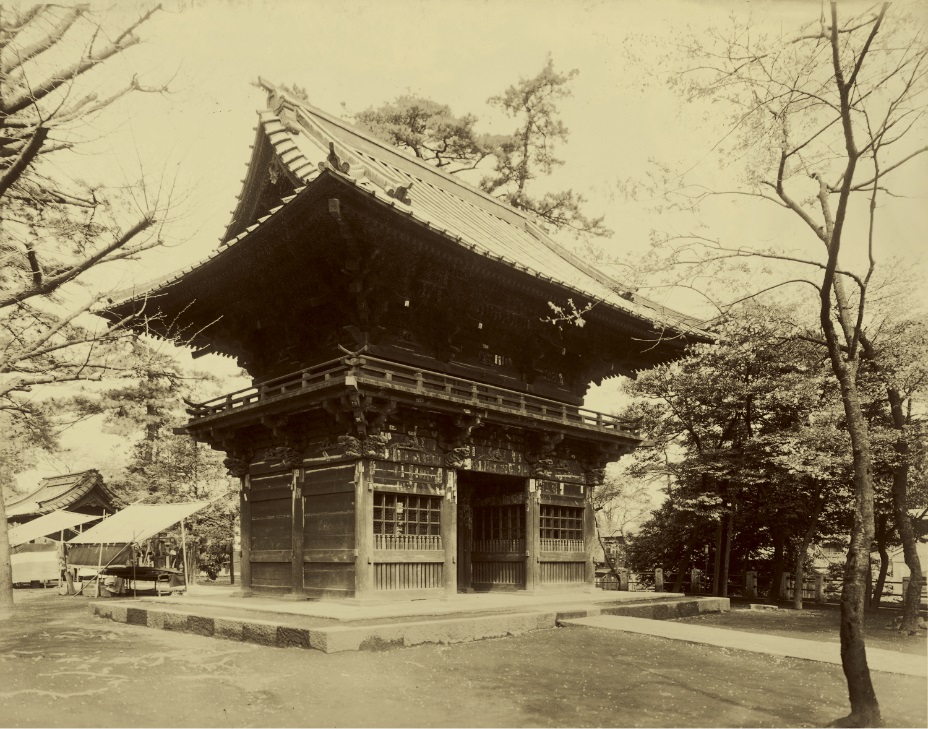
183, 544
99, 567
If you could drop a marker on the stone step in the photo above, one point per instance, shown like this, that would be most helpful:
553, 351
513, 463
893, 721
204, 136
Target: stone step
288, 631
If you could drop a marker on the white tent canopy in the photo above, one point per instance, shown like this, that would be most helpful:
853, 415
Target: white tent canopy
47, 524
137, 523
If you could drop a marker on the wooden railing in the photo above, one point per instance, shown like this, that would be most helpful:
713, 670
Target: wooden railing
415, 381
416, 542
562, 545
306, 379
499, 545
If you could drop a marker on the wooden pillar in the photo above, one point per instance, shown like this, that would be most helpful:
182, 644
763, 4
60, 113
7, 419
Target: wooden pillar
750, 583
363, 530
589, 539
658, 580
449, 532
245, 524
296, 555
532, 537
819, 594
695, 581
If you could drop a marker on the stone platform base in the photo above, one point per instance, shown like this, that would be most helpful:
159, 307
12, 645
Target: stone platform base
456, 623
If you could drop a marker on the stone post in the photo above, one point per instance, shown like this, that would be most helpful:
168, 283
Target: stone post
658, 580
623, 579
819, 588
784, 587
750, 584
695, 581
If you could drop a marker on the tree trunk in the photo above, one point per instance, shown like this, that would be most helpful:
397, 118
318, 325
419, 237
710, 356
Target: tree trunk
912, 597
779, 559
799, 567
881, 578
717, 567
865, 709
799, 570
681, 574
602, 545
727, 556
6, 566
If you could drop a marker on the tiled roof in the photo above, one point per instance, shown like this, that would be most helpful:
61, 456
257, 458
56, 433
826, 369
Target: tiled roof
56, 492
308, 143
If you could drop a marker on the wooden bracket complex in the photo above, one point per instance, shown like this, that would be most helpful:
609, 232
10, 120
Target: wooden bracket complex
457, 438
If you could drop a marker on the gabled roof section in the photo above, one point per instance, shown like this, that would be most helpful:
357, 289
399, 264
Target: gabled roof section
298, 143
59, 492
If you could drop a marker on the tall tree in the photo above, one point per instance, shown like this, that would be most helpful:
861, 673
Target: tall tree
165, 467
432, 132
54, 229
827, 118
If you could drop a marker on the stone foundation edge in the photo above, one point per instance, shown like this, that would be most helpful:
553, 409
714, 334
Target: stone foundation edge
340, 638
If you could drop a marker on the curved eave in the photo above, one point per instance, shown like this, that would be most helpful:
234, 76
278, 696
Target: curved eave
136, 298
139, 302
408, 212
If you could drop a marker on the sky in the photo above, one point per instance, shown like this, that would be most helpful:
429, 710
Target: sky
350, 54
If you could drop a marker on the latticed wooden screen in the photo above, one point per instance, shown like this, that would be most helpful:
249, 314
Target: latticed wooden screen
499, 528
561, 528
407, 521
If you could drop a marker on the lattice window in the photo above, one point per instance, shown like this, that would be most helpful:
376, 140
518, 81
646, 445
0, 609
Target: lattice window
407, 521
561, 522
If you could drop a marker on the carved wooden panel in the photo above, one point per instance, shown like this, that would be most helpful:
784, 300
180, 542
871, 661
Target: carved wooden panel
407, 477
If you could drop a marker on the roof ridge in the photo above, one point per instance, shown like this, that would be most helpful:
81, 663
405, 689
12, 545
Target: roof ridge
277, 98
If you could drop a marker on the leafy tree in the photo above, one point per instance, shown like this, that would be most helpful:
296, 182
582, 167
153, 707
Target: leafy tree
433, 133
672, 537
751, 423
430, 131
895, 363
824, 120
55, 229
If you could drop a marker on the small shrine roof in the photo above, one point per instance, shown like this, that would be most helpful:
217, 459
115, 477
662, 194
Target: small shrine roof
306, 143
58, 492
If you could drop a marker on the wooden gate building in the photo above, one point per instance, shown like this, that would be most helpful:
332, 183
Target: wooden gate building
415, 427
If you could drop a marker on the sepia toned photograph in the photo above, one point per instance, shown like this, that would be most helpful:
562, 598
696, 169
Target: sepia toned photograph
458, 363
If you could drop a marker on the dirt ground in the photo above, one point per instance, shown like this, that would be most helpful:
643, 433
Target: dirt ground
815, 624
59, 666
